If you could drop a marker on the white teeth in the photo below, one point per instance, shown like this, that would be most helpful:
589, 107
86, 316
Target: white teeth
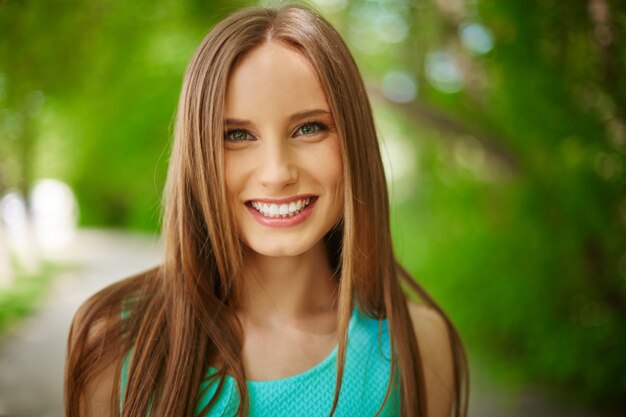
282, 210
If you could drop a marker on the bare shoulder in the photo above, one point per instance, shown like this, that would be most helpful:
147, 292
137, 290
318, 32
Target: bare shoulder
93, 363
99, 393
433, 339
90, 372
429, 324
93, 398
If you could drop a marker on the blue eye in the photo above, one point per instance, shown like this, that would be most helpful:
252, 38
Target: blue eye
236, 135
311, 128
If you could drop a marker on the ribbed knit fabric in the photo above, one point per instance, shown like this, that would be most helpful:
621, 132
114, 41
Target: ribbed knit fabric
311, 393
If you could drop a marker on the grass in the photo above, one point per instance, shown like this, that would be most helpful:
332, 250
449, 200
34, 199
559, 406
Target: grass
23, 297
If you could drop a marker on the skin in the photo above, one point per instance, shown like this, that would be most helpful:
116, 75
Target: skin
287, 310
281, 143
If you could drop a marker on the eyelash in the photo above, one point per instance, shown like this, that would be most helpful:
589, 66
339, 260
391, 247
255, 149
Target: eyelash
321, 127
228, 133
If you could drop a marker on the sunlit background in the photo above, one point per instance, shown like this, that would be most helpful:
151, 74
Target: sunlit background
503, 132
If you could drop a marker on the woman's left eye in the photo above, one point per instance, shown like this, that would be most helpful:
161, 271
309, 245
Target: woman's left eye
311, 128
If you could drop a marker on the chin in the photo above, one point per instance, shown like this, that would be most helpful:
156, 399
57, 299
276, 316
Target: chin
275, 250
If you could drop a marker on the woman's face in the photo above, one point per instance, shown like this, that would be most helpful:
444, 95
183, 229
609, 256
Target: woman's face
282, 158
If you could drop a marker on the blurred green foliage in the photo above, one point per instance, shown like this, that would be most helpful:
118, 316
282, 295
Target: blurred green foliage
511, 209
21, 299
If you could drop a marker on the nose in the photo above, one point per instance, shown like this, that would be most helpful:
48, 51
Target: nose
278, 168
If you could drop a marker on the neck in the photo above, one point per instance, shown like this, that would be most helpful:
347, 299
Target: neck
288, 288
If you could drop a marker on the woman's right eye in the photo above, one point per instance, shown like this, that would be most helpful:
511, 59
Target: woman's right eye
237, 135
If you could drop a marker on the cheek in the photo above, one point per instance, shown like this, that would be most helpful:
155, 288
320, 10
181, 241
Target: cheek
333, 165
329, 167
322, 164
334, 178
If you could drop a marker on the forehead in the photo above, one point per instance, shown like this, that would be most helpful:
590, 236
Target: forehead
272, 79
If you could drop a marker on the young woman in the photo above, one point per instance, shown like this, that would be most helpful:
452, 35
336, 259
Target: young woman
279, 294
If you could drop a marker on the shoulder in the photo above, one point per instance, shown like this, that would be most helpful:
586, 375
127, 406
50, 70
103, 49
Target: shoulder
105, 309
429, 325
434, 343
98, 316
90, 378
95, 338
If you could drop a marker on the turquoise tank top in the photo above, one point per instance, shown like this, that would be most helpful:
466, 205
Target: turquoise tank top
365, 379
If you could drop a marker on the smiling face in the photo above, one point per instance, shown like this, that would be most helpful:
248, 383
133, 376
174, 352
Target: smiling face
282, 159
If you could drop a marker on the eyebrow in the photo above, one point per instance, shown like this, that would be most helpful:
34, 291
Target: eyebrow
293, 117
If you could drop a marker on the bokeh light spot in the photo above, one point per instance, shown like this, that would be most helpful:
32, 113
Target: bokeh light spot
399, 87
392, 27
331, 6
442, 72
476, 38
55, 213
13, 211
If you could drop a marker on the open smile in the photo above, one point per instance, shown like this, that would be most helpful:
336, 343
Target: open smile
286, 212
281, 210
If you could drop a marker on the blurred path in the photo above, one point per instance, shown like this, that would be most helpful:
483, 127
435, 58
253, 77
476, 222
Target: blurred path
32, 355
490, 400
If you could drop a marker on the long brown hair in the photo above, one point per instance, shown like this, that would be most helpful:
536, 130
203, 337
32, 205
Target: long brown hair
179, 318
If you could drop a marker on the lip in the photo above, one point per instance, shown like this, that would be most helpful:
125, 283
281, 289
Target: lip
281, 200
282, 221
